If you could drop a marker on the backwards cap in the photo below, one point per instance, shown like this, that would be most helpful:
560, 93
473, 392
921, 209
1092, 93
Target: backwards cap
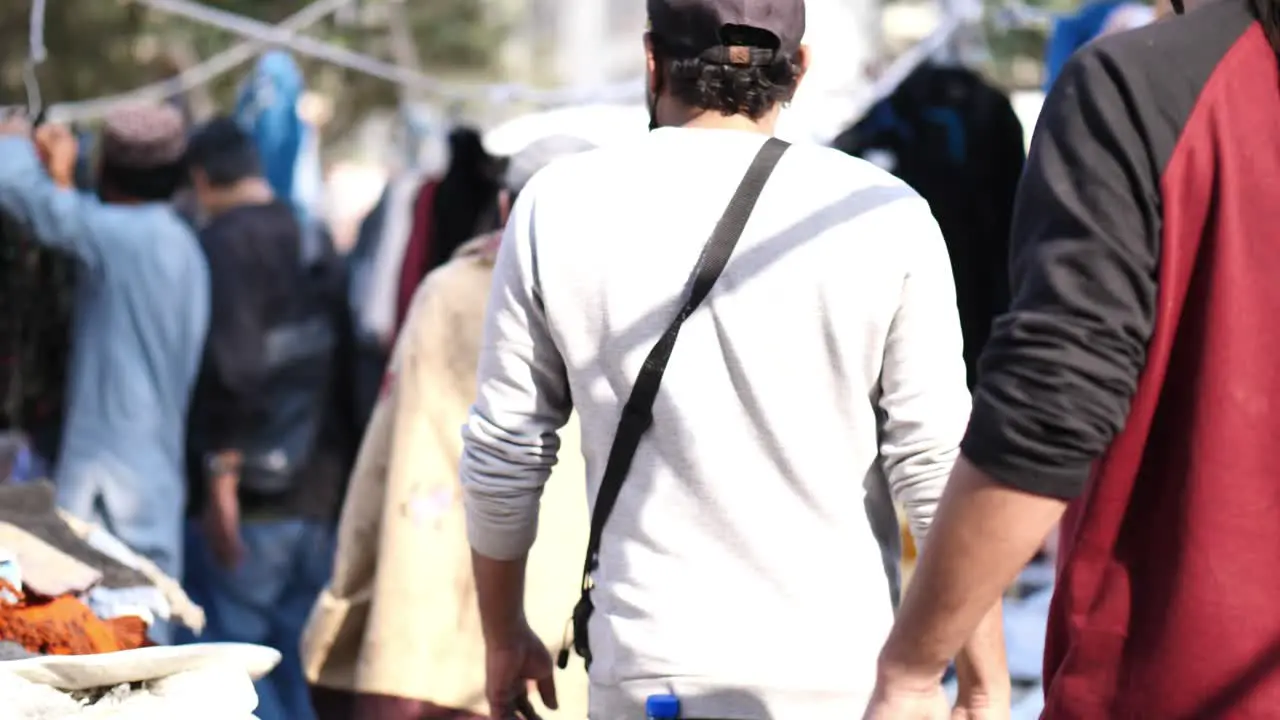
706, 29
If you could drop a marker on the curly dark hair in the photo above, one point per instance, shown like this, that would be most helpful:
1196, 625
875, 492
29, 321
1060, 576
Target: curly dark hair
751, 90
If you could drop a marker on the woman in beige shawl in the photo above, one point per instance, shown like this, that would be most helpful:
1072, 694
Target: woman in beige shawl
396, 635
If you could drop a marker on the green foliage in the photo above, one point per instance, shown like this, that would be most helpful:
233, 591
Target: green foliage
1016, 52
100, 47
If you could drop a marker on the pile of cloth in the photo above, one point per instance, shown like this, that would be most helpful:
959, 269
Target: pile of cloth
37, 292
68, 588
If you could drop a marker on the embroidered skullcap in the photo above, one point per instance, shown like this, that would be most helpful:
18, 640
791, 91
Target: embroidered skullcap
143, 137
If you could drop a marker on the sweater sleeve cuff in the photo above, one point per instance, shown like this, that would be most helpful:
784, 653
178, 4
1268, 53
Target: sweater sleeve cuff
507, 538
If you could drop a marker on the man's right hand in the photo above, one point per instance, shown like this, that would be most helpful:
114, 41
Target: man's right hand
510, 667
59, 151
890, 703
905, 694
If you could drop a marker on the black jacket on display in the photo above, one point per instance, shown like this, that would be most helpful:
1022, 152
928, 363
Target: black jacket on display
957, 141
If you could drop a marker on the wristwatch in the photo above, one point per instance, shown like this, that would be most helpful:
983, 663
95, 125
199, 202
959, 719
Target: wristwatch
220, 465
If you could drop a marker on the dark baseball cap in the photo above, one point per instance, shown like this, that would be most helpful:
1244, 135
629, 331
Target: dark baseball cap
710, 29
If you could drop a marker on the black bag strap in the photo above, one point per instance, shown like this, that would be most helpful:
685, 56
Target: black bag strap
637, 414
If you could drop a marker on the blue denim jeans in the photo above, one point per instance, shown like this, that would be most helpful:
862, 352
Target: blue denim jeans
266, 600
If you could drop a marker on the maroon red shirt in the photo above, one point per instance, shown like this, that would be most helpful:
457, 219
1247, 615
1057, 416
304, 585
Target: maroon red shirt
1138, 371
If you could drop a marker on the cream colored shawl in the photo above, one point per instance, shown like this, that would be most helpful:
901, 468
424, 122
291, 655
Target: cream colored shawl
399, 617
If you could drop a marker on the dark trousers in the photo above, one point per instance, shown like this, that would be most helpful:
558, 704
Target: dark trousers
266, 600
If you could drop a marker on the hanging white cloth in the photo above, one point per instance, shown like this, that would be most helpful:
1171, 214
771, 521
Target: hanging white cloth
378, 310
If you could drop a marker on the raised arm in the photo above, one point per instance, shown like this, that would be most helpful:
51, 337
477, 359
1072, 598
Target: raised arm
57, 215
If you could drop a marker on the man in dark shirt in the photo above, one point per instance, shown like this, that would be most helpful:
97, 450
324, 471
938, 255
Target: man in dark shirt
1132, 385
268, 461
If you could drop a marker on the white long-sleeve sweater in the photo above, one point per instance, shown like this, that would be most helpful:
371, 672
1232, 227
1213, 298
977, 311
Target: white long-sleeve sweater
740, 567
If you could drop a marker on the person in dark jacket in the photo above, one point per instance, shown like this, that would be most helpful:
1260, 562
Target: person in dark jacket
956, 140
269, 456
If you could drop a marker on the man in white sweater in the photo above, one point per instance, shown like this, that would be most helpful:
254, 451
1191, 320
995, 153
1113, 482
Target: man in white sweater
741, 568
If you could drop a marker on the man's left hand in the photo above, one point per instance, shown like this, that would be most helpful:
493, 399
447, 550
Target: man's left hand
977, 705
222, 521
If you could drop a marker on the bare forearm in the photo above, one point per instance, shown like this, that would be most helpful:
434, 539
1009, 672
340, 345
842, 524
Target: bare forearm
983, 535
500, 593
981, 667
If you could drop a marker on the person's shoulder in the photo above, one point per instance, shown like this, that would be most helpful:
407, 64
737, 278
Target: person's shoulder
867, 202
1205, 32
455, 289
220, 225
156, 236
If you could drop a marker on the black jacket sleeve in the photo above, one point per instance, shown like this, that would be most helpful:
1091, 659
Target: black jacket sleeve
235, 351
1061, 368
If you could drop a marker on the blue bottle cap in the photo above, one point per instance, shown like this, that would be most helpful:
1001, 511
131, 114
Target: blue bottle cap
662, 707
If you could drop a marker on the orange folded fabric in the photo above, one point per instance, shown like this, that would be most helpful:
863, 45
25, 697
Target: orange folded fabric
66, 626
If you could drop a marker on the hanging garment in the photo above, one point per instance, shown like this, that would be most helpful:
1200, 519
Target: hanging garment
361, 261
418, 253
267, 108
377, 317
467, 197
31, 509
308, 174
370, 354
1072, 32
37, 289
46, 570
957, 141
